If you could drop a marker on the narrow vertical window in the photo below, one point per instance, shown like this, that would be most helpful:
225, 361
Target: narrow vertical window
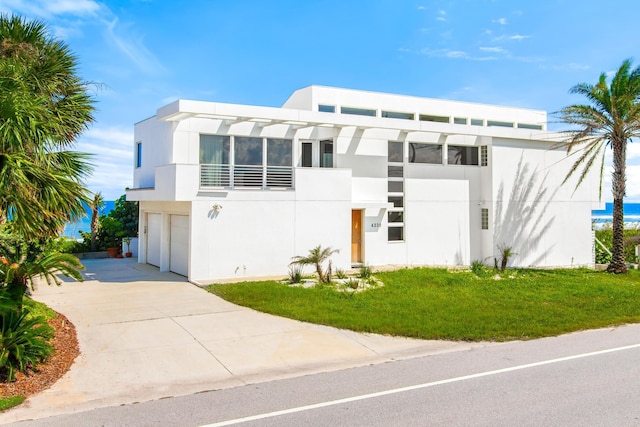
484, 214
307, 155
395, 177
484, 156
138, 154
326, 154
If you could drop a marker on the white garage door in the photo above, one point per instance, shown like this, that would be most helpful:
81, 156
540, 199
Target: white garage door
154, 226
179, 244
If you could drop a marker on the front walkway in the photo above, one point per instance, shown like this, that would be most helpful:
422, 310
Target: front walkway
146, 335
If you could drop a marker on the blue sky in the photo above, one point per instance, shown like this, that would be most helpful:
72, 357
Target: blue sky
147, 53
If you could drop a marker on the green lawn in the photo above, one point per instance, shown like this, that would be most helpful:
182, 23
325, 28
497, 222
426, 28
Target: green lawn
457, 305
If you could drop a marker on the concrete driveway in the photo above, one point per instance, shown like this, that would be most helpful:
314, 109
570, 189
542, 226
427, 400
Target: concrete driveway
145, 335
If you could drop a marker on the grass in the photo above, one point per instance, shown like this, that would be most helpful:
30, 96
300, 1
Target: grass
36, 309
10, 402
432, 303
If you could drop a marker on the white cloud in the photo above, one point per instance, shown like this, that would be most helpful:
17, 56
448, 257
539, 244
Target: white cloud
112, 149
51, 8
516, 37
501, 21
493, 49
633, 151
454, 54
421, 8
59, 12
442, 16
132, 46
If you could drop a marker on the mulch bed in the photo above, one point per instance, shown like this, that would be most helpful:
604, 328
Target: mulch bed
66, 348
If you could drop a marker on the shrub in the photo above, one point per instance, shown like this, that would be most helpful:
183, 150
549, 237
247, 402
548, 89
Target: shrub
24, 342
605, 236
365, 272
477, 267
68, 246
340, 274
295, 274
506, 252
353, 283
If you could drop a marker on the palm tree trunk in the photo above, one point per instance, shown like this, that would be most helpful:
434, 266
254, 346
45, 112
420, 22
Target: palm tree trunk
618, 264
94, 227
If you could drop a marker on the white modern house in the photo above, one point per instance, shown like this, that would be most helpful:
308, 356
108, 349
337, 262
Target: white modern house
232, 191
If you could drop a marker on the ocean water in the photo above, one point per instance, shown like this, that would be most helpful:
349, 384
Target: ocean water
631, 213
72, 229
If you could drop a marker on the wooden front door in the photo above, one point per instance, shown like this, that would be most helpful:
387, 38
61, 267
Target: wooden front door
356, 236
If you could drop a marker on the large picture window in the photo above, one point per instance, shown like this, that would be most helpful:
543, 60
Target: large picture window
462, 155
279, 161
278, 152
425, 153
241, 161
214, 149
248, 151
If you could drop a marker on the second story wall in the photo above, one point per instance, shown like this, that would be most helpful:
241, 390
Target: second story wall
153, 147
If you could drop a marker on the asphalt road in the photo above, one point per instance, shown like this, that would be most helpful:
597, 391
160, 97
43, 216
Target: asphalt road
590, 378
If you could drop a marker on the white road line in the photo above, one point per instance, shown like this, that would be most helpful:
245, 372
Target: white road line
414, 387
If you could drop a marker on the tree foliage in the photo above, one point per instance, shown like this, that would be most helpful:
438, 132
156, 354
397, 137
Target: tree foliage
610, 120
44, 106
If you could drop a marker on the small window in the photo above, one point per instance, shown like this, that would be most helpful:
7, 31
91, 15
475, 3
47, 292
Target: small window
396, 216
499, 124
396, 151
358, 111
430, 118
398, 201
395, 186
395, 171
138, 154
425, 153
395, 234
528, 126
460, 120
484, 213
484, 156
326, 108
477, 122
462, 155
396, 115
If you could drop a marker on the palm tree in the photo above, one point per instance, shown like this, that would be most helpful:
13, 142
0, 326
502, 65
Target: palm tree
44, 106
317, 256
610, 120
96, 205
22, 262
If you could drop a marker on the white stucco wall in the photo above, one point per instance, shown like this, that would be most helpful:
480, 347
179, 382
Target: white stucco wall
546, 223
258, 231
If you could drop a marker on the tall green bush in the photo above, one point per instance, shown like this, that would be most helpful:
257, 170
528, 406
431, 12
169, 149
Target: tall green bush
24, 342
605, 235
